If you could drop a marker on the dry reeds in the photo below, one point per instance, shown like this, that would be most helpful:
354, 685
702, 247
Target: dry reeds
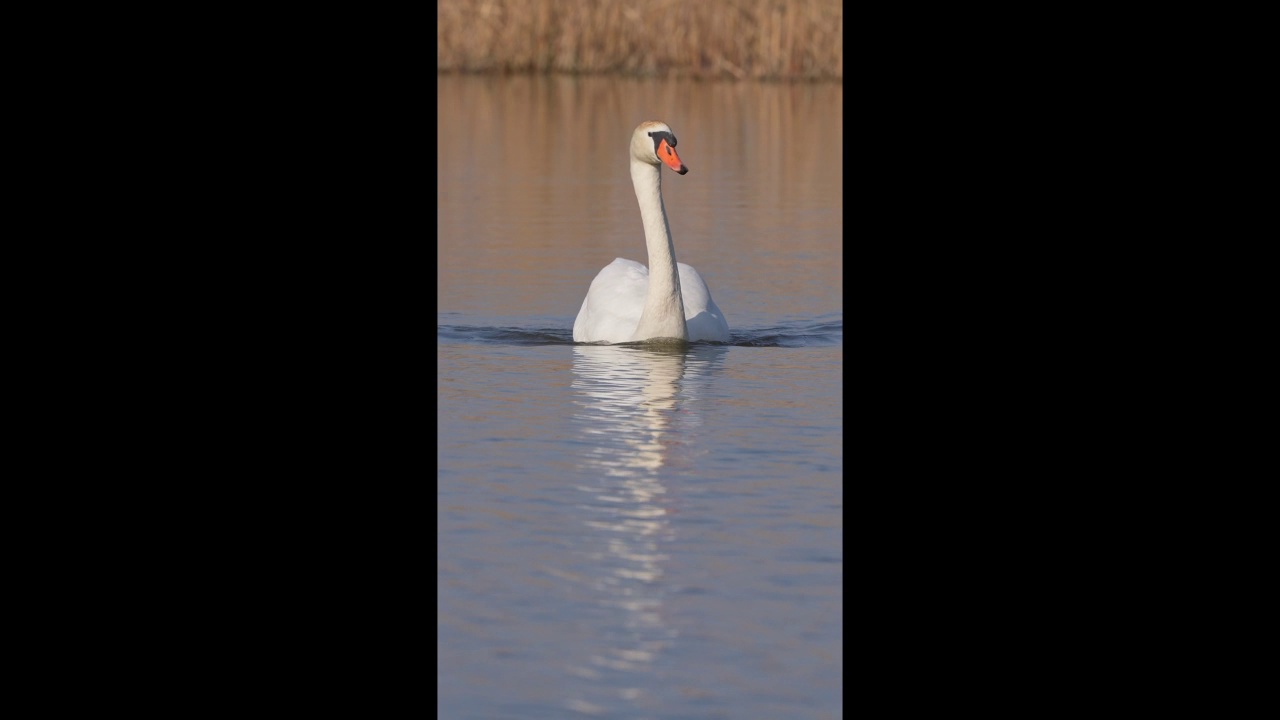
758, 39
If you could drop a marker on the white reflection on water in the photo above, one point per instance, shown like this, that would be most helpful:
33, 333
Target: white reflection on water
637, 413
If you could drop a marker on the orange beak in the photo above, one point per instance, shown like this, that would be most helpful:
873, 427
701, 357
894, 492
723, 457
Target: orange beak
667, 154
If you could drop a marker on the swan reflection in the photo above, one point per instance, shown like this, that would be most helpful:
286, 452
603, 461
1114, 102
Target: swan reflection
638, 414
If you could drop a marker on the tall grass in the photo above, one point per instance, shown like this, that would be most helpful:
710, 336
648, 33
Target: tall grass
761, 39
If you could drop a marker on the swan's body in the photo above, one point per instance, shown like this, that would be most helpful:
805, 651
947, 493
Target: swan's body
628, 302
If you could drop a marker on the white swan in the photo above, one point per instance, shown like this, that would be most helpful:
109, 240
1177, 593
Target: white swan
666, 301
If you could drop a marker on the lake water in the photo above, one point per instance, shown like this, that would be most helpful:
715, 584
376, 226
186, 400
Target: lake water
637, 531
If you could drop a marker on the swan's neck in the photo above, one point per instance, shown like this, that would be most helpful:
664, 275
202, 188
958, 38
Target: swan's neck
663, 315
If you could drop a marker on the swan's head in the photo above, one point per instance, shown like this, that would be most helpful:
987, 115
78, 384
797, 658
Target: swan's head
654, 143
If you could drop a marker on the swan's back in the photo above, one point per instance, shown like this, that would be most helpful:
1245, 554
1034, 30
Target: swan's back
611, 311
701, 316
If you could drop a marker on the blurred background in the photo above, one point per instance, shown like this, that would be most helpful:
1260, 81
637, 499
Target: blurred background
536, 103
739, 39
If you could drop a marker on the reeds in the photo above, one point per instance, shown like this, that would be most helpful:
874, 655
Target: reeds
757, 39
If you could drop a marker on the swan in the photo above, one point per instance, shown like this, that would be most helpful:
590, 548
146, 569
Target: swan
628, 302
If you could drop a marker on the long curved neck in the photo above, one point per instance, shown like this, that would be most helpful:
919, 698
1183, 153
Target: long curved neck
663, 315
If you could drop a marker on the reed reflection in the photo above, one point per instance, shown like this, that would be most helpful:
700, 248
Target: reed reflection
520, 229
638, 414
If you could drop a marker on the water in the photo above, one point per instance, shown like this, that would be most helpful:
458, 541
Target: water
638, 531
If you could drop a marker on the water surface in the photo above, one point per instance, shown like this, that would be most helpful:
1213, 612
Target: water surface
638, 531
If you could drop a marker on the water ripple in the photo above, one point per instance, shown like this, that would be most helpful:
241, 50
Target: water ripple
824, 330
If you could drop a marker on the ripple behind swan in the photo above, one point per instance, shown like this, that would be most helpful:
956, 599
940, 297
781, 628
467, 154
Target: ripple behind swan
823, 330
